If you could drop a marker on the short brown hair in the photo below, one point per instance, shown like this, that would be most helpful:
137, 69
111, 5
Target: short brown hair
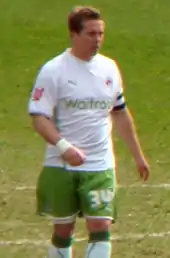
81, 14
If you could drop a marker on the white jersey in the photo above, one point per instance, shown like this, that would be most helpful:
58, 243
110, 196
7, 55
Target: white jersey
79, 96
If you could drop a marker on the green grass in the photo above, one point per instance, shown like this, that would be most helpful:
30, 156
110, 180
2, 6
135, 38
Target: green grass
137, 36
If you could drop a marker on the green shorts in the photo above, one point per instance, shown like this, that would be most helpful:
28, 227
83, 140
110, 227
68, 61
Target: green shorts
63, 193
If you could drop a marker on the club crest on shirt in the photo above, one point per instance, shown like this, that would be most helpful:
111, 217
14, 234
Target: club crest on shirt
109, 81
37, 94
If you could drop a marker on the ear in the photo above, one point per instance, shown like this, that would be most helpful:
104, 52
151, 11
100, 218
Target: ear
73, 35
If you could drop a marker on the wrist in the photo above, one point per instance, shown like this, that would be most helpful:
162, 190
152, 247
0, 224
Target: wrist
63, 145
138, 156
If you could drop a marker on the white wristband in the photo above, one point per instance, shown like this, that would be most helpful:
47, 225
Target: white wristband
63, 146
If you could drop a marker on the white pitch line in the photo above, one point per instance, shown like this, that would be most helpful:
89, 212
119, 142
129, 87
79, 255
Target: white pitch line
114, 238
166, 186
29, 188
22, 188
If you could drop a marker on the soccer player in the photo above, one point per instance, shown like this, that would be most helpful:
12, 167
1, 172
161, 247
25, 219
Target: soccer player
75, 98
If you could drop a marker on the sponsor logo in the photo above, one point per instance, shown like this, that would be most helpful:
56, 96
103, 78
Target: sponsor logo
88, 104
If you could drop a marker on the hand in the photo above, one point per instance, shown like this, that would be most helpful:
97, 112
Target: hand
74, 156
143, 168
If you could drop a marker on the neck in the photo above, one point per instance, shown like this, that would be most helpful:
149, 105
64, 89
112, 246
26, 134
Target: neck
80, 54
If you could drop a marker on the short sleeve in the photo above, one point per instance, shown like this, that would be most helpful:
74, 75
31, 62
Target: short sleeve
43, 98
118, 83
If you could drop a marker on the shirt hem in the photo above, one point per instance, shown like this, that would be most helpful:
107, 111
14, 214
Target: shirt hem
79, 169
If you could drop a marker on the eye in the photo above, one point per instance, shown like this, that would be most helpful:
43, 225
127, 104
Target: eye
92, 33
101, 33
95, 33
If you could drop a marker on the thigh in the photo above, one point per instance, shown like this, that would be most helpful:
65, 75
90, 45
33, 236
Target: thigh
56, 193
97, 194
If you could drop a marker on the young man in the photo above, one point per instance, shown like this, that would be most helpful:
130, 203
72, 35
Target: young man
75, 97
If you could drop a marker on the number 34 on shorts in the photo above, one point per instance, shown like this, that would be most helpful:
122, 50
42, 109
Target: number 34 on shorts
98, 198
100, 202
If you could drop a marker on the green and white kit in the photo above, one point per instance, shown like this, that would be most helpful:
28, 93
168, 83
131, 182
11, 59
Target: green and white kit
78, 96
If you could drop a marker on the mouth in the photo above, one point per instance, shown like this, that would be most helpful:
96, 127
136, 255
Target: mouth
96, 47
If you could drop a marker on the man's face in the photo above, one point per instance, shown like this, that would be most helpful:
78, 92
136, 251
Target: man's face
90, 37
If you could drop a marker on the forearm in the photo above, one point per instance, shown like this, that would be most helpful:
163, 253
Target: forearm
46, 129
126, 129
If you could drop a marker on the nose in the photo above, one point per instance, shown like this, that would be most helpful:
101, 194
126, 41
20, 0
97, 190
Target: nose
97, 38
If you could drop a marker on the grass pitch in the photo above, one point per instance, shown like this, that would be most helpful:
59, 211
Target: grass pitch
137, 36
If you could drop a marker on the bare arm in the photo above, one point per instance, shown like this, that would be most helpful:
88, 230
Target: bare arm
46, 128
126, 129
